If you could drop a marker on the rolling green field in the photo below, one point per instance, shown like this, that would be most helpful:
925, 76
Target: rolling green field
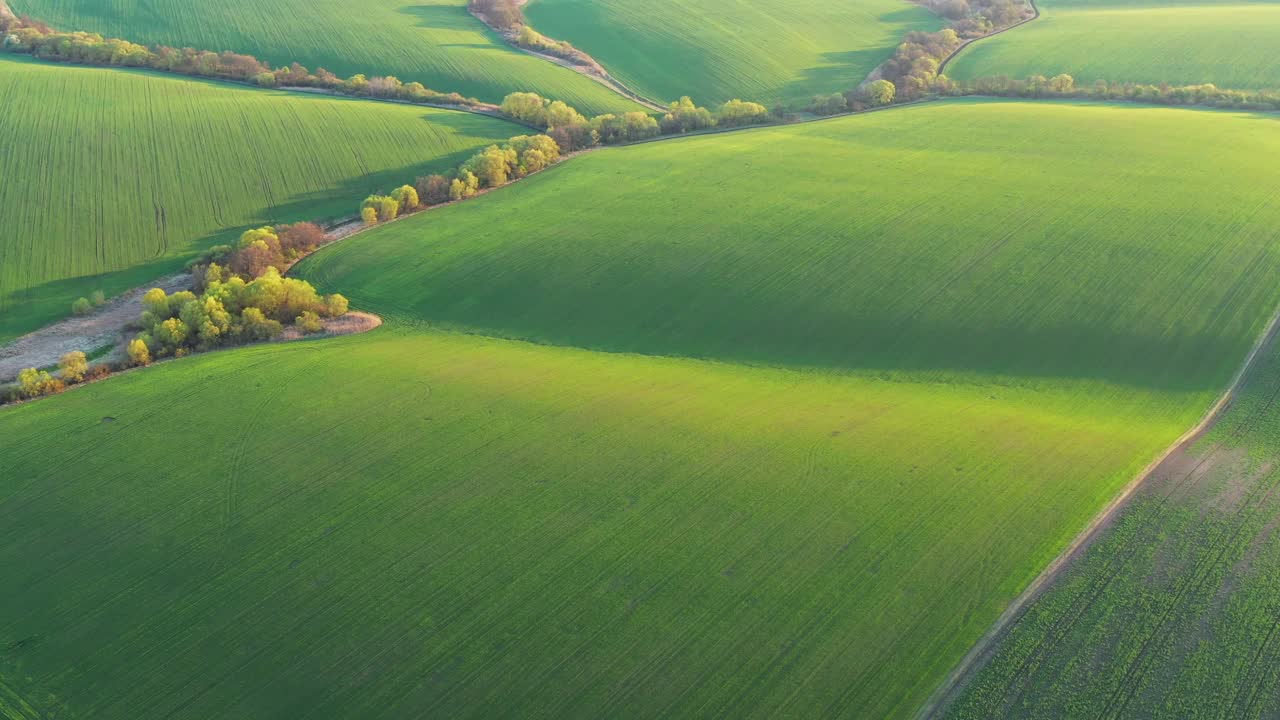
435, 42
817, 521
715, 50
1227, 44
1172, 612
112, 178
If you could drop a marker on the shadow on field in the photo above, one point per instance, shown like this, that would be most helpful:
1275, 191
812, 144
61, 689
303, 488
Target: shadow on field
23, 310
439, 17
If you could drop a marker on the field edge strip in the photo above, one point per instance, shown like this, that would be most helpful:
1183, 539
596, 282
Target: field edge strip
975, 659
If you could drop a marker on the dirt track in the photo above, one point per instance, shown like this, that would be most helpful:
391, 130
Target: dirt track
104, 326
107, 325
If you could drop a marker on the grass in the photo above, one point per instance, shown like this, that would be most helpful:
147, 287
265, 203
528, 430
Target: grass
435, 42
113, 178
814, 519
1179, 43
862, 243
715, 50
1172, 612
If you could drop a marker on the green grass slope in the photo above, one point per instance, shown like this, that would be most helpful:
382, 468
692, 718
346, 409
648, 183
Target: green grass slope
424, 522
999, 238
412, 524
111, 178
715, 50
1227, 44
1172, 612
435, 42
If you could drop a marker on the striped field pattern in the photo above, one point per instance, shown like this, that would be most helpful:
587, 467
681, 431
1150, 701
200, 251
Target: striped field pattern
1230, 45
435, 42
803, 408
112, 178
714, 50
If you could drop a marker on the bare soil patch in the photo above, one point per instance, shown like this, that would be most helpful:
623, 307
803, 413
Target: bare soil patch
104, 326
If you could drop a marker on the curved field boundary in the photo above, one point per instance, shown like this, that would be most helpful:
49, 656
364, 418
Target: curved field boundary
942, 68
984, 648
606, 79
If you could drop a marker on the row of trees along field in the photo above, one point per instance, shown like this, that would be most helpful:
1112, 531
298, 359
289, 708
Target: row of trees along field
567, 130
32, 37
1064, 86
913, 70
239, 297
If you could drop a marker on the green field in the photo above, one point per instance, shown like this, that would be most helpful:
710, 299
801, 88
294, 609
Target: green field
715, 50
1227, 44
112, 178
435, 42
1173, 611
425, 522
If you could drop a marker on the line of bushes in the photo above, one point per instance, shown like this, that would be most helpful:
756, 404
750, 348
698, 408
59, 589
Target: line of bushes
572, 131
492, 167
239, 297
73, 369
1064, 86
567, 131
32, 37
913, 70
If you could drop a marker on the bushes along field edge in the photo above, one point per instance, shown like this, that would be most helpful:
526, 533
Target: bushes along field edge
33, 37
240, 297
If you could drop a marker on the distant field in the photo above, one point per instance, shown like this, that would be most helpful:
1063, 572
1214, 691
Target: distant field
715, 50
419, 522
1229, 45
111, 178
435, 42
1173, 612
1013, 239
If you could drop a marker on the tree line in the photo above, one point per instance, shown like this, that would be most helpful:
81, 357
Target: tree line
572, 131
239, 297
1064, 86
32, 37
491, 167
913, 70
567, 130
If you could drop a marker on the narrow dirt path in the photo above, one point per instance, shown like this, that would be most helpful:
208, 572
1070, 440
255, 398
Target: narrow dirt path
108, 324
982, 651
103, 326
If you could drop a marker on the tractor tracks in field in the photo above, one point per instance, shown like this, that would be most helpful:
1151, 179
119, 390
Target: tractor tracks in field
984, 648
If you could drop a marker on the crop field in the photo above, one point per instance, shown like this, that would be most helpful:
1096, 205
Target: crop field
812, 506
435, 42
1173, 612
715, 50
1229, 45
879, 253
112, 178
